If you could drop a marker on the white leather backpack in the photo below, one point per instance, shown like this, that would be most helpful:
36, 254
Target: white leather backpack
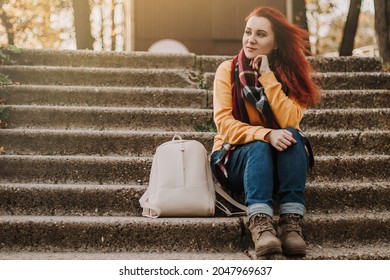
181, 183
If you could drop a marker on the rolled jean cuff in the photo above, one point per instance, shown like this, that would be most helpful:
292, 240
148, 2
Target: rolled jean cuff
260, 208
292, 208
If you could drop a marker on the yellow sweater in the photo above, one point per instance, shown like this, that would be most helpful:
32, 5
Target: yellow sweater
288, 112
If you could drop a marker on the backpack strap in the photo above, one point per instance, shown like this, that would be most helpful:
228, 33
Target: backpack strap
149, 210
229, 199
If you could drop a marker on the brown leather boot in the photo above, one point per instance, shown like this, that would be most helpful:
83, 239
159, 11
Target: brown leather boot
290, 233
264, 235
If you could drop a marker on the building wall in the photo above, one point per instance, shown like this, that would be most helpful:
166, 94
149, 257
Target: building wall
212, 27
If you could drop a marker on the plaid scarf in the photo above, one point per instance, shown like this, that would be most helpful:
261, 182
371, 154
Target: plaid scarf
246, 85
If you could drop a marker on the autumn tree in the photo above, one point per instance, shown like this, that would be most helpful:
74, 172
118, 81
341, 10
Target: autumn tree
82, 14
6, 22
350, 28
30, 24
318, 14
382, 27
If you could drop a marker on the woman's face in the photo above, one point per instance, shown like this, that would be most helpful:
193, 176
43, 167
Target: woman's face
259, 38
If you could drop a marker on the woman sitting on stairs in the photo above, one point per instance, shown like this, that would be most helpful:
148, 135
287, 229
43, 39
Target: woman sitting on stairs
259, 100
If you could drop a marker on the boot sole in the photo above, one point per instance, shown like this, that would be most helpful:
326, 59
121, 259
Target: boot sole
271, 250
294, 252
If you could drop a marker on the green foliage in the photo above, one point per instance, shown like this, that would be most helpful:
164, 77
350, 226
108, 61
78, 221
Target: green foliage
202, 83
5, 58
4, 117
209, 126
4, 80
6, 52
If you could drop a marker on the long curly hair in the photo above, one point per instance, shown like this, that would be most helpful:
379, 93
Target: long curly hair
289, 60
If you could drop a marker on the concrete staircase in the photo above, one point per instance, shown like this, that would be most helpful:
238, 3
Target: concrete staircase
83, 127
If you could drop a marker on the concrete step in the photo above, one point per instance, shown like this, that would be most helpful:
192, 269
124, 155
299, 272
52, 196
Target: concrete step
144, 143
82, 76
172, 119
203, 63
105, 59
346, 119
341, 80
106, 96
314, 252
108, 118
164, 97
321, 64
51, 75
127, 234
129, 170
123, 200
355, 99
11, 255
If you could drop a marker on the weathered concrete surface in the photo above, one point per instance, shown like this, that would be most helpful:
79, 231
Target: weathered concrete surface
77, 158
129, 170
201, 63
144, 143
107, 96
122, 200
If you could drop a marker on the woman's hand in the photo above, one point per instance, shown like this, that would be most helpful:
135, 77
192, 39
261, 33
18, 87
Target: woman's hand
280, 139
264, 64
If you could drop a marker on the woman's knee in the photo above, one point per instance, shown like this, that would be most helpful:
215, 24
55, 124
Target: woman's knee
296, 134
259, 147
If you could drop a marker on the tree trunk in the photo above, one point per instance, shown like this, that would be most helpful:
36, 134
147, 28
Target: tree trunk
7, 25
350, 28
82, 12
299, 12
300, 19
113, 33
382, 28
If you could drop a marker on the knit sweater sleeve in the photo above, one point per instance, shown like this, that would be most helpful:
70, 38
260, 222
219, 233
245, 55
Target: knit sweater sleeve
229, 129
287, 111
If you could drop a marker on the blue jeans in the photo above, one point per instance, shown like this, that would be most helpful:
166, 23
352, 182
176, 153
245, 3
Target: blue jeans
261, 171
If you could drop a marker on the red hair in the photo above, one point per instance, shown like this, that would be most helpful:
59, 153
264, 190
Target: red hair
288, 60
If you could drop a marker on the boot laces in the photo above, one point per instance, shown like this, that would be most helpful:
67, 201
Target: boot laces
263, 223
292, 223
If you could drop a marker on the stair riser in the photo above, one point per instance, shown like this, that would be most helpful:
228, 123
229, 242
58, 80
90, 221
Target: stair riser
169, 98
365, 230
67, 143
82, 58
86, 200
102, 119
107, 97
186, 61
354, 99
321, 198
98, 77
342, 81
71, 170
167, 78
350, 119
323, 64
129, 170
19, 142
63, 200
216, 235
223, 236
179, 120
